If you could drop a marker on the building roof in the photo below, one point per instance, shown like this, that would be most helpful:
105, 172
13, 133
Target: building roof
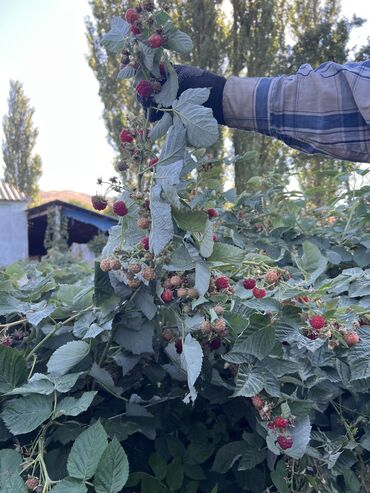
10, 193
72, 211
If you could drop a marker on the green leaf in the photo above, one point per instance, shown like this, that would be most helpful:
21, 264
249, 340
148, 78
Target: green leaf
249, 382
35, 317
202, 277
114, 40
104, 378
250, 458
13, 369
312, 263
69, 485
207, 243
10, 460
161, 127
112, 472
126, 73
258, 344
300, 432
168, 93
175, 474
13, 484
201, 127
192, 221
227, 254
191, 362
86, 452
25, 414
64, 383
70, 406
198, 96
67, 356
173, 148
158, 465
227, 455
180, 42
37, 384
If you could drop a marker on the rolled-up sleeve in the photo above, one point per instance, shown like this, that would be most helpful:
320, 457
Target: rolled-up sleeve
325, 111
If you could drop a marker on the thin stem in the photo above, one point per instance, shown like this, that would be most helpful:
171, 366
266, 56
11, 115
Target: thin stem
12, 324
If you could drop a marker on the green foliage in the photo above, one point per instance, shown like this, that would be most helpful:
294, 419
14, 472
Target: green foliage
22, 167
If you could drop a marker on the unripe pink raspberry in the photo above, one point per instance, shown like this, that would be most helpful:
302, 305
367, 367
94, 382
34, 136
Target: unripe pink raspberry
6, 341
219, 325
280, 422
192, 293
272, 276
249, 283
145, 243
222, 283
115, 264
148, 274
156, 40
126, 136
317, 322
351, 338
285, 442
119, 208
167, 295
175, 281
135, 268
205, 327
182, 292
32, 483
98, 202
212, 213
143, 223
131, 16
257, 402
153, 161
105, 265
219, 310
259, 293
144, 89
133, 283
167, 335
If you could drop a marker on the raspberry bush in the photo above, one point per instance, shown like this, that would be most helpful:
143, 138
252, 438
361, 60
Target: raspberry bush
222, 343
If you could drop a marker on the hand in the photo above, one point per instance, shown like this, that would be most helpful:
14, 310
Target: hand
192, 78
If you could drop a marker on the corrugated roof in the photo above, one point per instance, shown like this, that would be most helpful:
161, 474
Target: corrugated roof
9, 192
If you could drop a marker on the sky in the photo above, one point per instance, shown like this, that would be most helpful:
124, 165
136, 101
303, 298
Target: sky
43, 44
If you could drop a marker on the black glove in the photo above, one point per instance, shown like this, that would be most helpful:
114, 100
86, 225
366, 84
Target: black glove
192, 78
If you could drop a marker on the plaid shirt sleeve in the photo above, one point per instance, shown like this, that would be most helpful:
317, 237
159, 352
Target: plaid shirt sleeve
321, 111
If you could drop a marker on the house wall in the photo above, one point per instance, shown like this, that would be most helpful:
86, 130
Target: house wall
13, 232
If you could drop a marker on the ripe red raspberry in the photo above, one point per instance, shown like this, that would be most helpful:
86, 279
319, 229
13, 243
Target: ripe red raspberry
98, 202
257, 402
259, 293
145, 243
205, 327
119, 208
143, 223
167, 295
280, 422
285, 442
153, 162
313, 336
212, 213
148, 274
317, 322
126, 136
215, 238
175, 281
131, 16
167, 335
215, 344
182, 292
135, 30
219, 325
249, 283
156, 40
105, 265
222, 283
178, 346
219, 310
162, 70
351, 338
272, 276
144, 89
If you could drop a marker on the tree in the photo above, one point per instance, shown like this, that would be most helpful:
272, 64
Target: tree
22, 167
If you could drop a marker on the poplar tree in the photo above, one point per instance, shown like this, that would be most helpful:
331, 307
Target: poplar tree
23, 168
